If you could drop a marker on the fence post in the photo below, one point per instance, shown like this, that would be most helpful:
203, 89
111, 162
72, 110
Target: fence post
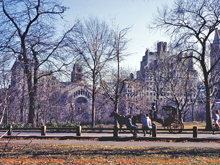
115, 131
43, 130
10, 130
195, 132
154, 131
78, 130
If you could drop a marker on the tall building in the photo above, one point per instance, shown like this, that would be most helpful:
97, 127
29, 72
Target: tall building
18, 78
214, 56
150, 57
163, 77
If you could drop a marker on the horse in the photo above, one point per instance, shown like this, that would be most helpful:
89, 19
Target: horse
122, 119
137, 119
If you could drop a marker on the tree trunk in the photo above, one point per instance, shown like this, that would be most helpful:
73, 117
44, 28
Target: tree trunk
3, 114
22, 108
32, 111
93, 100
193, 116
116, 110
6, 116
208, 111
180, 115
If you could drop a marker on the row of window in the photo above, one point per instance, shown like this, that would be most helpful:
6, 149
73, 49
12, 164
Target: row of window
81, 92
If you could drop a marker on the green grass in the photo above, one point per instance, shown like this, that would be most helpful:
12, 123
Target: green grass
36, 153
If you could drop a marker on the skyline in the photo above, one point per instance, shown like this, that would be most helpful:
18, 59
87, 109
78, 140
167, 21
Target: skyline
125, 13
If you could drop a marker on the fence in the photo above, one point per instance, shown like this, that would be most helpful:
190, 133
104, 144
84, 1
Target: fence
115, 131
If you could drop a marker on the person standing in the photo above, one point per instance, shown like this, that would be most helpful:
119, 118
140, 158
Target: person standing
130, 126
153, 111
146, 124
216, 118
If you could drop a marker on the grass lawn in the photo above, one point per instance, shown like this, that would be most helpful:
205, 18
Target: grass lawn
37, 153
187, 125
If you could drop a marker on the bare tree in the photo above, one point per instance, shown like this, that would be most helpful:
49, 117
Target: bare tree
4, 93
179, 83
92, 40
28, 31
190, 25
114, 87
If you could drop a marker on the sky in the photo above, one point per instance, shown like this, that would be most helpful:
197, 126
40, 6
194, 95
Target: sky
135, 13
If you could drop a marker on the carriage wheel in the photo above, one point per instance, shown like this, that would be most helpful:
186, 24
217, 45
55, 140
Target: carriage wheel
175, 126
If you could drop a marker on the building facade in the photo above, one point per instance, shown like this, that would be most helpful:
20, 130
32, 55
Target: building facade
55, 100
215, 60
164, 79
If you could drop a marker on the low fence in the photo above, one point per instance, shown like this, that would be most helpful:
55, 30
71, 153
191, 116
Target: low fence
115, 131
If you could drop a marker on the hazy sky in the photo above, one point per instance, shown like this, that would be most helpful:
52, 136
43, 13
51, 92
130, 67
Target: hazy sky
135, 13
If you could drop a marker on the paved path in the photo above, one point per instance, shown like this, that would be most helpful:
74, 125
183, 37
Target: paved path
128, 143
168, 135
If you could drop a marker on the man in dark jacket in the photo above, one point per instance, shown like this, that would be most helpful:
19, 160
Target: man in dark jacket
130, 126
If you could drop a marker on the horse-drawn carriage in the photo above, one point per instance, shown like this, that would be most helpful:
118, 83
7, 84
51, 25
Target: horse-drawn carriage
171, 122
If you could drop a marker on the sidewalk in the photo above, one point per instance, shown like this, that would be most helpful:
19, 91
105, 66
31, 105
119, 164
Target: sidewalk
109, 137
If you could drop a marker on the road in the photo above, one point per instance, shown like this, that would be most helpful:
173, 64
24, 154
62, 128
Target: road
168, 135
121, 142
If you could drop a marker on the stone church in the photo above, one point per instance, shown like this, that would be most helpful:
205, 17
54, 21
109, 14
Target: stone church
59, 101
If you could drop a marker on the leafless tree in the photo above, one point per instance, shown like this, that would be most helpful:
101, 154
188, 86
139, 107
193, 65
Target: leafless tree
92, 41
27, 30
114, 85
179, 83
4, 92
190, 25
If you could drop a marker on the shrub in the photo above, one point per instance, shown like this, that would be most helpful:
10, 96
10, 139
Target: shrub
28, 125
51, 123
68, 124
2, 125
18, 125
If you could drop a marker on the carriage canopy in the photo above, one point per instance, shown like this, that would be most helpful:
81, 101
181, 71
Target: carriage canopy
170, 111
